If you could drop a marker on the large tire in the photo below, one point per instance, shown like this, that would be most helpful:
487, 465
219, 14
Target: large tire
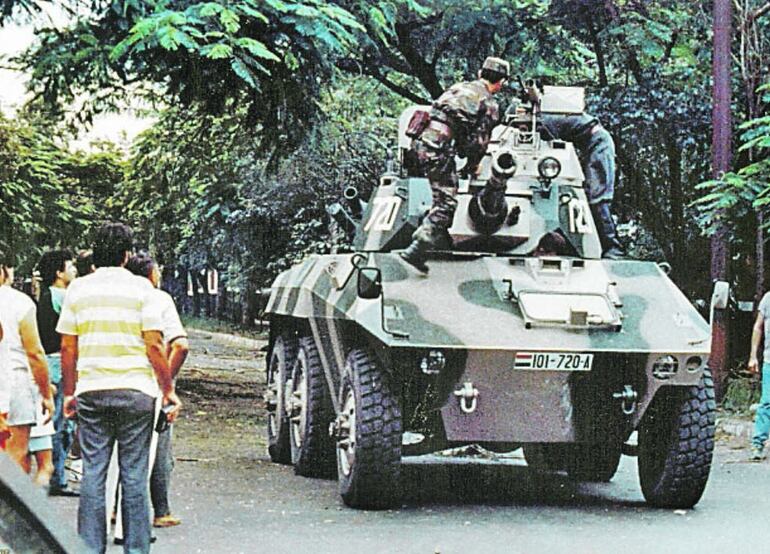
369, 445
279, 367
311, 412
676, 445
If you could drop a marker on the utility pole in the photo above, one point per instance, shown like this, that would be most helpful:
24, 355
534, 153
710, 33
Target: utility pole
721, 159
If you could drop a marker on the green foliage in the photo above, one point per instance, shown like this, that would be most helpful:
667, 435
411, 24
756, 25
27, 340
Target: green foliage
273, 105
48, 195
202, 196
269, 57
734, 199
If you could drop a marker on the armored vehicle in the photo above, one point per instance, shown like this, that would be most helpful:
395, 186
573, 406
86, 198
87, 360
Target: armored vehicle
521, 336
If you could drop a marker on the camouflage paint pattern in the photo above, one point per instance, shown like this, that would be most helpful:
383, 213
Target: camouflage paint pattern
485, 301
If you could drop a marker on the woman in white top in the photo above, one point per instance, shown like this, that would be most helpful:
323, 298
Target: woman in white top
23, 355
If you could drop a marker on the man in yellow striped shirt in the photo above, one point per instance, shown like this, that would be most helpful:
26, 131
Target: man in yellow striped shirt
114, 365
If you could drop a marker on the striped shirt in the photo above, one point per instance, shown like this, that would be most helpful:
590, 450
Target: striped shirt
108, 311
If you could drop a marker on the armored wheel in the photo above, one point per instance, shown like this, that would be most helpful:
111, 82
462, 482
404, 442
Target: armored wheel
676, 445
311, 412
280, 364
368, 436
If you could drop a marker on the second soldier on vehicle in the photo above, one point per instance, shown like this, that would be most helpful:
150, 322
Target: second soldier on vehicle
460, 124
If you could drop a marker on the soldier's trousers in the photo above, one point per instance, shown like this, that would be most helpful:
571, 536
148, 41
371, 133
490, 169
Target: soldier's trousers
440, 169
595, 147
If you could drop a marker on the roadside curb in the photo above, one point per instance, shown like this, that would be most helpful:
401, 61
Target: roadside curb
233, 340
740, 428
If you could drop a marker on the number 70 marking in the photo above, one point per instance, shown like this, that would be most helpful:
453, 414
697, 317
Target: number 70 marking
383, 213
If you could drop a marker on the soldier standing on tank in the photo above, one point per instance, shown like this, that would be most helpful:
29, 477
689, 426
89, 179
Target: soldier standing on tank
597, 156
460, 124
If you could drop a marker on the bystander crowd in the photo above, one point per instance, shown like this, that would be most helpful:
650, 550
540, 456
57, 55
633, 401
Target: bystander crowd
4, 396
112, 343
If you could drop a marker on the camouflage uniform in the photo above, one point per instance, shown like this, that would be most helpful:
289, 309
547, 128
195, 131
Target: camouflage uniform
597, 155
461, 123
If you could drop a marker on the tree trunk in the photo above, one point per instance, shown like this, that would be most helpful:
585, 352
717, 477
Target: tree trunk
722, 154
676, 198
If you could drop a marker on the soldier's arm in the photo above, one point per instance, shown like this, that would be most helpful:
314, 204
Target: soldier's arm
479, 140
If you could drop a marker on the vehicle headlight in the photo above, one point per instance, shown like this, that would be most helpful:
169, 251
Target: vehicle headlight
665, 367
693, 363
549, 168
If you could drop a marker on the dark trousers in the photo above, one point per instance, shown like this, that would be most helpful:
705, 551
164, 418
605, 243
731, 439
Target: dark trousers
62, 440
160, 478
104, 418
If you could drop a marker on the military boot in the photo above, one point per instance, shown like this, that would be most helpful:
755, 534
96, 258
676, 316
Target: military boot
605, 224
416, 254
427, 237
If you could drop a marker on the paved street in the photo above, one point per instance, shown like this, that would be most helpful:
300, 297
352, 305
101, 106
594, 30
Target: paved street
232, 499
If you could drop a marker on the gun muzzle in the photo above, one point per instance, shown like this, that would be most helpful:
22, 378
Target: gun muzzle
503, 164
350, 193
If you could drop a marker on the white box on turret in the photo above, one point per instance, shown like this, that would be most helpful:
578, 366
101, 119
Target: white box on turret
566, 100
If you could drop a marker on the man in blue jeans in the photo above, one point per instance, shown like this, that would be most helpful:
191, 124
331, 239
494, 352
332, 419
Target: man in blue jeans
112, 345
762, 421
57, 271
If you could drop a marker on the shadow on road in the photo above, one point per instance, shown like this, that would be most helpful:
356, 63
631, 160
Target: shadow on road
504, 484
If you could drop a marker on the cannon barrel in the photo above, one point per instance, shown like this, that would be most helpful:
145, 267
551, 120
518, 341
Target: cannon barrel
503, 164
350, 193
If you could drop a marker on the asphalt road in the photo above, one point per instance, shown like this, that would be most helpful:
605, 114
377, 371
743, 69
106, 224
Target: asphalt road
232, 499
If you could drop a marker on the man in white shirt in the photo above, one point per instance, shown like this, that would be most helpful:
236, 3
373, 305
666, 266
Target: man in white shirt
112, 346
177, 348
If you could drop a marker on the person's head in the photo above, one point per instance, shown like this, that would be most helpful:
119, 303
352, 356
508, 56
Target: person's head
495, 71
7, 263
552, 244
57, 267
85, 262
143, 265
112, 244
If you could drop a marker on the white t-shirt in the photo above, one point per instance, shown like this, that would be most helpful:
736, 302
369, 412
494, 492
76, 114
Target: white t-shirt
4, 378
14, 307
108, 311
764, 309
172, 325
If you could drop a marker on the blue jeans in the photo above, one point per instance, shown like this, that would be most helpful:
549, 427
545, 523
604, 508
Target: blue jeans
762, 419
63, 428
160, 478
104, 417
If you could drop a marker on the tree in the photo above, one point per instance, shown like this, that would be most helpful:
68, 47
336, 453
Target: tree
267, 56
49, 196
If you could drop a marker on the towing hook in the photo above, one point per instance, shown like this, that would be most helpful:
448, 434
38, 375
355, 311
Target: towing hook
627, 397
468, 396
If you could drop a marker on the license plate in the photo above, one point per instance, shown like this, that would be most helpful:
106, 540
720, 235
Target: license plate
554, 361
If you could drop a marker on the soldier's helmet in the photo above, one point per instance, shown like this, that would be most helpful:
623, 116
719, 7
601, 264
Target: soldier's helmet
497, 65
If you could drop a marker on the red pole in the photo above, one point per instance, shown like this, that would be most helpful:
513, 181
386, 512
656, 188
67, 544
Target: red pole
722, 154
